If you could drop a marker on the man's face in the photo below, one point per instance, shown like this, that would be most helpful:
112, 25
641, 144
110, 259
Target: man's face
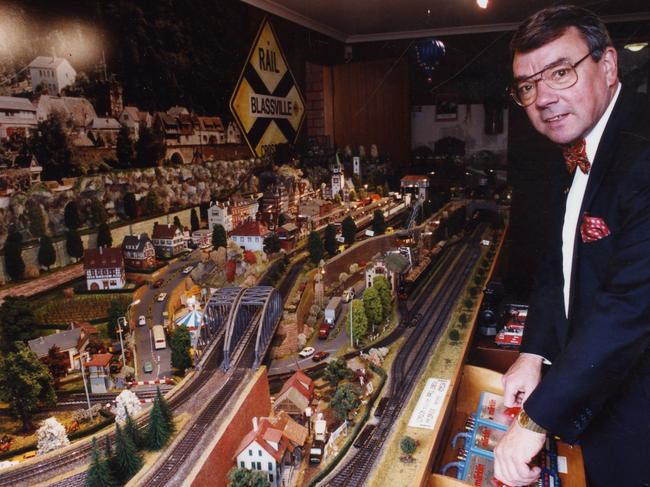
567, 115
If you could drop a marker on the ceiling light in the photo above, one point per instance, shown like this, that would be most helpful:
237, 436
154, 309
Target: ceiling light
635, 47
482, 3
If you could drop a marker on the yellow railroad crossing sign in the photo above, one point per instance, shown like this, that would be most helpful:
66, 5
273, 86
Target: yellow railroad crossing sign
267, 103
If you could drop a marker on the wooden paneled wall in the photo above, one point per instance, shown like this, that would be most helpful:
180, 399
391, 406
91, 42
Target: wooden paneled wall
370, 105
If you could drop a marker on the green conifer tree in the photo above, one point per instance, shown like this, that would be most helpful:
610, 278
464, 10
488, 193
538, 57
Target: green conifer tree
315, 247
219, 238
157, 432
127, 458
166, 411
99, 474
194, 220
104, 237
132, 430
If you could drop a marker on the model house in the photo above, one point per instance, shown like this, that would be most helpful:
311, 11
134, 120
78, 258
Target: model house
233, 212
103, 131
233, 134
98, 372
17, 116
138, 251
271, 446
72, 343
168, 240
250, 235
104, 268
296, 394
51, 73
211, 131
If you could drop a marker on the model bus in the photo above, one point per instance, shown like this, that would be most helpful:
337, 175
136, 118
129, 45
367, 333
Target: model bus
159, 337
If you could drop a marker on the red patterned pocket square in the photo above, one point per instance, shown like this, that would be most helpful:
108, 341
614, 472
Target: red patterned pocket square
593, 228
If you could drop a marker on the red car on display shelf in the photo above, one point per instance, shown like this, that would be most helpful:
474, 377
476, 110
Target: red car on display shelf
511, 334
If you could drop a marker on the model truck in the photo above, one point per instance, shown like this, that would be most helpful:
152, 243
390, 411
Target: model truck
332, 311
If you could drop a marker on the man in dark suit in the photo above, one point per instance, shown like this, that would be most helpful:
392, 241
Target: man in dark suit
589, 316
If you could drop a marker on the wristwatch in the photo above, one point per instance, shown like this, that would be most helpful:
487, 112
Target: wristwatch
525, 422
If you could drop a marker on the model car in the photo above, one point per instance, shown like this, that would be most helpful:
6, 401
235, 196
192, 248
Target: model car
147, 367
307, 352
318, 356
188, 269
142, 320
348, 295
161, 297
158, 283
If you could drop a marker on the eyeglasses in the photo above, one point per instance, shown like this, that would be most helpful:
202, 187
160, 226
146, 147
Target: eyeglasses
560, 76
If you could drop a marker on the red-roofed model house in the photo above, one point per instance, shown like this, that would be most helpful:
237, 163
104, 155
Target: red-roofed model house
269, 447
296, 394
250, 235
98, 372
104, 268
168, 240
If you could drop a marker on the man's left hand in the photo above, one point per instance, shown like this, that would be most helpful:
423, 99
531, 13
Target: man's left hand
513, 454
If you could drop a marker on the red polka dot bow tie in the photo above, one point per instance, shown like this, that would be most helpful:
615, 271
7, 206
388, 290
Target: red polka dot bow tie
576, 155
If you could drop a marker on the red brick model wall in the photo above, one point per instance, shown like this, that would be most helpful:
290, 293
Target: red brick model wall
214, 472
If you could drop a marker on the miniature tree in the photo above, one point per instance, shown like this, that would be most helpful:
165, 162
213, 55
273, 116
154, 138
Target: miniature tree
180, 345
177, 222
462, 319
17, 323
408, 445
315, 247
330, 243
373, 307
124, 149
336, 371
51, 436
127, 458
57, 363
157, 430
468, 303
194, 220
148, 148
49, 144
116, 310
271, 244
381, 284
378, 222
152, 203
73, 244
99, 473
13, 250
125, 402
219, 238
242, 477
131, 429
25, 383
353, 195
130, 206
108, 450
46, 252
349, 230
104, 237
359, 321
454, 335
71, 215
344, 401
166, 411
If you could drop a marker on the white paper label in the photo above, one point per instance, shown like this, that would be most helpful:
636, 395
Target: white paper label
562, 465
429, 404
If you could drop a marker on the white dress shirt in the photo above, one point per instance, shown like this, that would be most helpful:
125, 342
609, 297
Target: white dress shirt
575, 196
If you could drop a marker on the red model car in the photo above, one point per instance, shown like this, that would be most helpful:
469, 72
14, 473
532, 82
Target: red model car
318, 356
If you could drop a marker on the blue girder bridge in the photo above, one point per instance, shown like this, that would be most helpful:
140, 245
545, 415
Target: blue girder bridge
240, 312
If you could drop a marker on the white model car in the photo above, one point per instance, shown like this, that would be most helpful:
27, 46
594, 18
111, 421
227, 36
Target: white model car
188, 269
161, 297
307, 352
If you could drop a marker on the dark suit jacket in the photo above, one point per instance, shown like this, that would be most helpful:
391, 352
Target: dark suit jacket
604, 346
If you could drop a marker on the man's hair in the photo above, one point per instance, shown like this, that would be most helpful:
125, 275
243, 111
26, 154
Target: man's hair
551, 23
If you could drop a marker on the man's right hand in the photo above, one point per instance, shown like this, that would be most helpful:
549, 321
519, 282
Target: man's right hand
521, 379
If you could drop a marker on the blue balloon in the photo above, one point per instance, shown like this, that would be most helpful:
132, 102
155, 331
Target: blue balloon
428, 54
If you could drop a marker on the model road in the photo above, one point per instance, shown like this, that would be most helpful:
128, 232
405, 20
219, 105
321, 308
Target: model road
412, 357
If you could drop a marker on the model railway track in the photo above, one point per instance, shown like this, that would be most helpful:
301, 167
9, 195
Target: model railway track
184, 448
408, 366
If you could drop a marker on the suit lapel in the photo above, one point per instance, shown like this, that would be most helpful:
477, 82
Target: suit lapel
604, 159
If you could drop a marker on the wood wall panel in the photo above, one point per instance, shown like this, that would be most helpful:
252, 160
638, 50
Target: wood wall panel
371, 106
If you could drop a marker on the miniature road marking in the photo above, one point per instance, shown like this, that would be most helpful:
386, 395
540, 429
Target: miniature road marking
427, 410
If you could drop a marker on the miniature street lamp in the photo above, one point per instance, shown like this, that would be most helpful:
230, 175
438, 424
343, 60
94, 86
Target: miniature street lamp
83, 378
121, 322
128, 311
